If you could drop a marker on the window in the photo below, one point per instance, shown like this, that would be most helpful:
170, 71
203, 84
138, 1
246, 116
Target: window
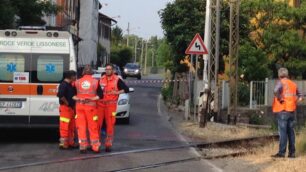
50, 68
10, 63
106, 31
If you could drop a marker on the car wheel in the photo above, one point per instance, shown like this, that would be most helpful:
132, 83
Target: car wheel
126, 120
139, 77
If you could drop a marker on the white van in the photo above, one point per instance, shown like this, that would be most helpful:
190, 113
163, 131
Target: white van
32, 63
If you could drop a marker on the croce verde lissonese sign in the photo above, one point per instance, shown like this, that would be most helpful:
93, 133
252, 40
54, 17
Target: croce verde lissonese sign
32, 43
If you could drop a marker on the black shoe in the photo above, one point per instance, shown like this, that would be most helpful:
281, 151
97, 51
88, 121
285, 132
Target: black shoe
278, 156
108, 149
74, 146
83, 151
63, 147
291, 155
96, 151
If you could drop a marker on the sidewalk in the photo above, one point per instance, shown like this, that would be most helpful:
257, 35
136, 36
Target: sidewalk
213, 131
258, 161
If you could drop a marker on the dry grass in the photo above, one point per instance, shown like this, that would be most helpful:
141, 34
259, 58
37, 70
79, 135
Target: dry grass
264, 163
261, 160
217, 132
301, 142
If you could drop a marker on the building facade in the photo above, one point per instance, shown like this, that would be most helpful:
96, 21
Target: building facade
91, 29
104, 41
67, 19
69, 16
88, 32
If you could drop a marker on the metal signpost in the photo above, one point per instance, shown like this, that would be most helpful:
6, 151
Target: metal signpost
197, 47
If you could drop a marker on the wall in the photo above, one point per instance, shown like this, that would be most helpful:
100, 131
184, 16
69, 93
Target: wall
88, 32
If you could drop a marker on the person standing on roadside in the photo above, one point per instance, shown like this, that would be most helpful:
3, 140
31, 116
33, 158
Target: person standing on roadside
88, 92
67, 106
112, 87
286, 96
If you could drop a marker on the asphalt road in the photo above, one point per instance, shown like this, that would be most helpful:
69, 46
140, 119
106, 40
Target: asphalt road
140, 146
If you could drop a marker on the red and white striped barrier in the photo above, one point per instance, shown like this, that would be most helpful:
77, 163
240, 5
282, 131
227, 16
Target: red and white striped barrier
152, 81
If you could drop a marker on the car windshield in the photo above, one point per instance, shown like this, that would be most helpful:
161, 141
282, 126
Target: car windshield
132, 66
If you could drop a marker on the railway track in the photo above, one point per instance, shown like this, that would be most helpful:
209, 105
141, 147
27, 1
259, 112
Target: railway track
234, 143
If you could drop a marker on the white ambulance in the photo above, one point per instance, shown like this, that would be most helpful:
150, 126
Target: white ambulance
32, 63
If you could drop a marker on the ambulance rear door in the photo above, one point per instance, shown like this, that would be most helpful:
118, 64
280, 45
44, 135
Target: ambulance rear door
48, 64
14, 83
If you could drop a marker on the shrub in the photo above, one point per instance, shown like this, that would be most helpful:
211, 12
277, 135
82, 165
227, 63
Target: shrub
301, 142
256, 119
167, 92
243, 94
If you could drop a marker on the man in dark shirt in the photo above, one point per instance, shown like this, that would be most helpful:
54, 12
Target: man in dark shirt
121, 85
67, 106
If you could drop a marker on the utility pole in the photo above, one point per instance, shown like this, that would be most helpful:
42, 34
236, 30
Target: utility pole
233, 59
146, 58
128, 35
211, 60
141, 56
215, 55
136, 42
202, 118
153, 54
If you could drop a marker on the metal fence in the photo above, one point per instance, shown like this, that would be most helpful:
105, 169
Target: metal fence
258, 94
261, 93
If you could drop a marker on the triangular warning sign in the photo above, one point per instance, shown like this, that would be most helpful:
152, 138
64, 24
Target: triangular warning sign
197, 46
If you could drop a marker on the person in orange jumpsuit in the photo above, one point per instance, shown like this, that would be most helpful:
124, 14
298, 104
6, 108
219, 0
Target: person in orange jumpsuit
67, 122
112, 87
88, 92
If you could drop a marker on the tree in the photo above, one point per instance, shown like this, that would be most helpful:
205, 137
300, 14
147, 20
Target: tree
164, 55
181, 20
31, 12
277, 30
117, 36
254, 64
26, 13
272, 34
7, 15
121, 56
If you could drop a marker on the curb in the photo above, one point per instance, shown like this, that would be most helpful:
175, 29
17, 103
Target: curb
163, 112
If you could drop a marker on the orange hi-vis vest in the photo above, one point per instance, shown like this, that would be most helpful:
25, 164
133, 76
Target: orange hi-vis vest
109, 85
86, 89
288, 95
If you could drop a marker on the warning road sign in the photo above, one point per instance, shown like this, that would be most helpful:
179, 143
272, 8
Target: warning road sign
197, 46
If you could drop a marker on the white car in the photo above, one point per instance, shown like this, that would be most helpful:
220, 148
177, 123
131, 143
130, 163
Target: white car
123, 105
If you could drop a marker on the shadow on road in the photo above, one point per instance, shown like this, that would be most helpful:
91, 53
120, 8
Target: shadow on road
32, 135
